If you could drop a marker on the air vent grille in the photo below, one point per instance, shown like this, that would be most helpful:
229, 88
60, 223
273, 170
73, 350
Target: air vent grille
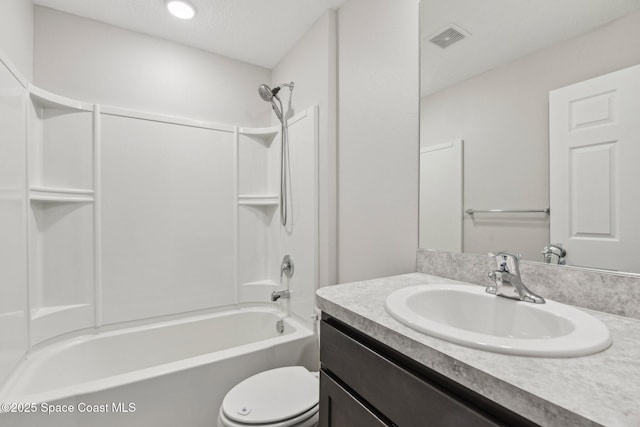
448, 37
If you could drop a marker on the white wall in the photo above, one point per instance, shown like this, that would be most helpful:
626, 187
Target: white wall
502, 115
96, 62
311, 64
16, 34
378, 69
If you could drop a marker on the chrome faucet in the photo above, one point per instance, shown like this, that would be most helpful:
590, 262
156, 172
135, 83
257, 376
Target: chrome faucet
276, 295
554, 254
508, 281
286, 269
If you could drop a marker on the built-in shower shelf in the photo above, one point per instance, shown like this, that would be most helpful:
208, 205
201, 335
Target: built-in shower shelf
264, 132
45, 99
257, 291
53, 310
49, 321
259, 199
60, 195
264, 135
261, 283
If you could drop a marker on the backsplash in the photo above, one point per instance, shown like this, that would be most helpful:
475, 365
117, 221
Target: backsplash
610, 292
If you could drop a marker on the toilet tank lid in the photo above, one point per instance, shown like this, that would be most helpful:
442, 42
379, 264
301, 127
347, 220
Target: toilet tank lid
272, 396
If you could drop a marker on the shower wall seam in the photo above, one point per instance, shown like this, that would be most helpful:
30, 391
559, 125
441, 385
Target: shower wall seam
236, 213
97, 218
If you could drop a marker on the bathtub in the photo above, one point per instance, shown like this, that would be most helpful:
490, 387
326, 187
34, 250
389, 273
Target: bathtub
173, 373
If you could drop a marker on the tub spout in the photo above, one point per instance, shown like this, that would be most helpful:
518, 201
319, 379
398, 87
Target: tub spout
276, 295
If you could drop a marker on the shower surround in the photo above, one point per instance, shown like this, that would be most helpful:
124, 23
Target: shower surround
135, 217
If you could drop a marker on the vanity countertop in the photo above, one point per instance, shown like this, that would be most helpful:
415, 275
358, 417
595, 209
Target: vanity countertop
600, 389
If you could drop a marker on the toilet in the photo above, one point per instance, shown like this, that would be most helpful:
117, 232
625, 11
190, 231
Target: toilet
282, 397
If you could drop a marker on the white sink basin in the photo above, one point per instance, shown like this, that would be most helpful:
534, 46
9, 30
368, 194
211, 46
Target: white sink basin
467, 315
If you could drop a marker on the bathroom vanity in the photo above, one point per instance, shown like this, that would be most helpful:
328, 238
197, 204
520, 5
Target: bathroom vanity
378, 386
378, 372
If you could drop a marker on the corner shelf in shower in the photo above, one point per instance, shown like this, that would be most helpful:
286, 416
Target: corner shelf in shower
43, 99
60, 195
263, 134
50, 321
62, 154
258, 163
258, 199
257, 291
258, 160
43, 312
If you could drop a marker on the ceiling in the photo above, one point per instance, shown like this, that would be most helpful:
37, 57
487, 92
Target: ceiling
260, 32
502, 31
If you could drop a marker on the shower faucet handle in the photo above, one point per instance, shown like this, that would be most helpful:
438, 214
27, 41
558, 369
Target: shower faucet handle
287, 267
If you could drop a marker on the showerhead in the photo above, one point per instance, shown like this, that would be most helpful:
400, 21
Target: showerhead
268, 94
265, 93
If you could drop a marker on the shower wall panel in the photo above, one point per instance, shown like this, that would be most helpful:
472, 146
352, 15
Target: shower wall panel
300, 236
13, 252
167, 207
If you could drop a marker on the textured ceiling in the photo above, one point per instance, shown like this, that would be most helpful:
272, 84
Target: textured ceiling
502, 31
256, 31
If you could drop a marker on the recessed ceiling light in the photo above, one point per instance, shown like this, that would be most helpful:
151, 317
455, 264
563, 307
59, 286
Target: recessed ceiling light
181, 9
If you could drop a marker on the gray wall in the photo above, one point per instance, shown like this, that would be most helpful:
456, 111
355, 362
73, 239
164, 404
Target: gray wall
502, 115
378, 122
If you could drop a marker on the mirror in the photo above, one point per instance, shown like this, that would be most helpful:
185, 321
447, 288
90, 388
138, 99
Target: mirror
487, 70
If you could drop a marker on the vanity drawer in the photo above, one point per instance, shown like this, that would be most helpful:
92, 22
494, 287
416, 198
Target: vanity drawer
402, 397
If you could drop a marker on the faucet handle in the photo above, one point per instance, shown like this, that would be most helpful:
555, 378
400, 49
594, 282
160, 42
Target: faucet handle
287, 267
508, 273
517, 257
507, 261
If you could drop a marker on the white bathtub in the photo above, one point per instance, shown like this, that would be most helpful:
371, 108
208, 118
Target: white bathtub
166, 374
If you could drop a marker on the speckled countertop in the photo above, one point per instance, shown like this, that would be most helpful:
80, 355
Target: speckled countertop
601, 389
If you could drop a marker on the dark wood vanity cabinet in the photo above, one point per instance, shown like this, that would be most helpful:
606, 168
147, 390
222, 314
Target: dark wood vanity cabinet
364, 383
338, 408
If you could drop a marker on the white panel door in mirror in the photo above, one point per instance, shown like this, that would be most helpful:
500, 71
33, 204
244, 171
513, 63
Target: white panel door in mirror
441, 192
594, 151
593, 188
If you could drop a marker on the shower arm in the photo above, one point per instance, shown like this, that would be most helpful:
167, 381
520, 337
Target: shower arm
283, 85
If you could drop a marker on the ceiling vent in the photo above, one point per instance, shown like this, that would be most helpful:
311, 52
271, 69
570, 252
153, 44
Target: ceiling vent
452, 34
